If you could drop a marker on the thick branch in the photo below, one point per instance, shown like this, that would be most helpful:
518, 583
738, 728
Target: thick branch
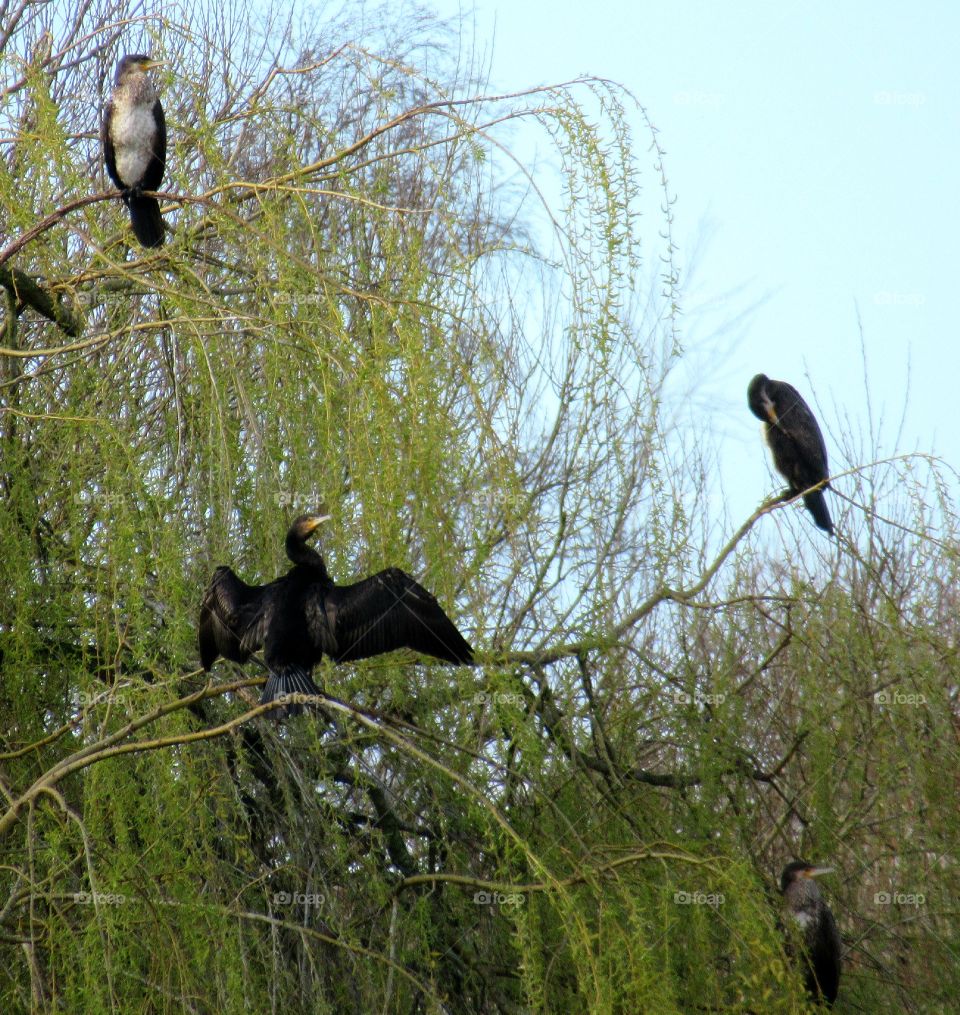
26, 291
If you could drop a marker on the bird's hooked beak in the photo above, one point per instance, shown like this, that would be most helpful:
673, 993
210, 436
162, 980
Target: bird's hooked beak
314, 522
142, 65
815, 872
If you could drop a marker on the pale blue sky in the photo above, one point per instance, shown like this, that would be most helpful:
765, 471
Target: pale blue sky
813, 150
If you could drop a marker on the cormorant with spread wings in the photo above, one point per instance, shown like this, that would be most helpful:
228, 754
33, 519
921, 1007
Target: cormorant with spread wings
302, 616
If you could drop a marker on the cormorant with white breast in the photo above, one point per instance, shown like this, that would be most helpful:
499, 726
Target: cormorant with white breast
134, 138
817, 929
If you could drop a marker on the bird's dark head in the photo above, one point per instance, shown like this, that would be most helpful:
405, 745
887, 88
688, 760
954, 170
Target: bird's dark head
799, 870
305, 526
134, 64
759, 399
298, 534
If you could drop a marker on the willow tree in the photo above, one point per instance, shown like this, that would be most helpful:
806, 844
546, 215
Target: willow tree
369, 303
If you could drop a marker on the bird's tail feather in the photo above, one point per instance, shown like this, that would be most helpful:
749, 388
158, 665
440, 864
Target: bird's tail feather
291, 680
146, 220
817, 506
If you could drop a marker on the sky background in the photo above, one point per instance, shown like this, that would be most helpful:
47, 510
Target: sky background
814, 152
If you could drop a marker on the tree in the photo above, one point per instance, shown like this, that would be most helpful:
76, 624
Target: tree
368, 303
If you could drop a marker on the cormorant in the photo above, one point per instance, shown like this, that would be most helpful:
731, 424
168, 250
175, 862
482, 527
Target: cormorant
804, 906
302, 616
795, 440
134, 138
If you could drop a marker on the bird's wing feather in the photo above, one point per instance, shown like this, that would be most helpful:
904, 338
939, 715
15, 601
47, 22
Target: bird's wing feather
109, 156
388, 611
234, 617
319, 622
153, 176
825, 954
797, 421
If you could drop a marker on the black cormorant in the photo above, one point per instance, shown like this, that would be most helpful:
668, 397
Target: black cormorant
816, 927
795, 440
303, 616
134, 137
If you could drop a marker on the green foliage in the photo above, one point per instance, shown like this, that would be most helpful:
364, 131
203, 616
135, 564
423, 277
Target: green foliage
359, 308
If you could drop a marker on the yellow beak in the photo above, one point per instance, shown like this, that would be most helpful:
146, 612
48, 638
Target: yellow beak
316, 521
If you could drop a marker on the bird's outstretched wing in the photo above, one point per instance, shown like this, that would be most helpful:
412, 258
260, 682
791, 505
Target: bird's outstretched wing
234, 618
388, 611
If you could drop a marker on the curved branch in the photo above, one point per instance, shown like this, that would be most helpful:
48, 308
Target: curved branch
530, 888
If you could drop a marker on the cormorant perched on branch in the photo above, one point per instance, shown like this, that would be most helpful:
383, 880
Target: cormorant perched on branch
303, 616
795, 440
134, 138
804, 906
